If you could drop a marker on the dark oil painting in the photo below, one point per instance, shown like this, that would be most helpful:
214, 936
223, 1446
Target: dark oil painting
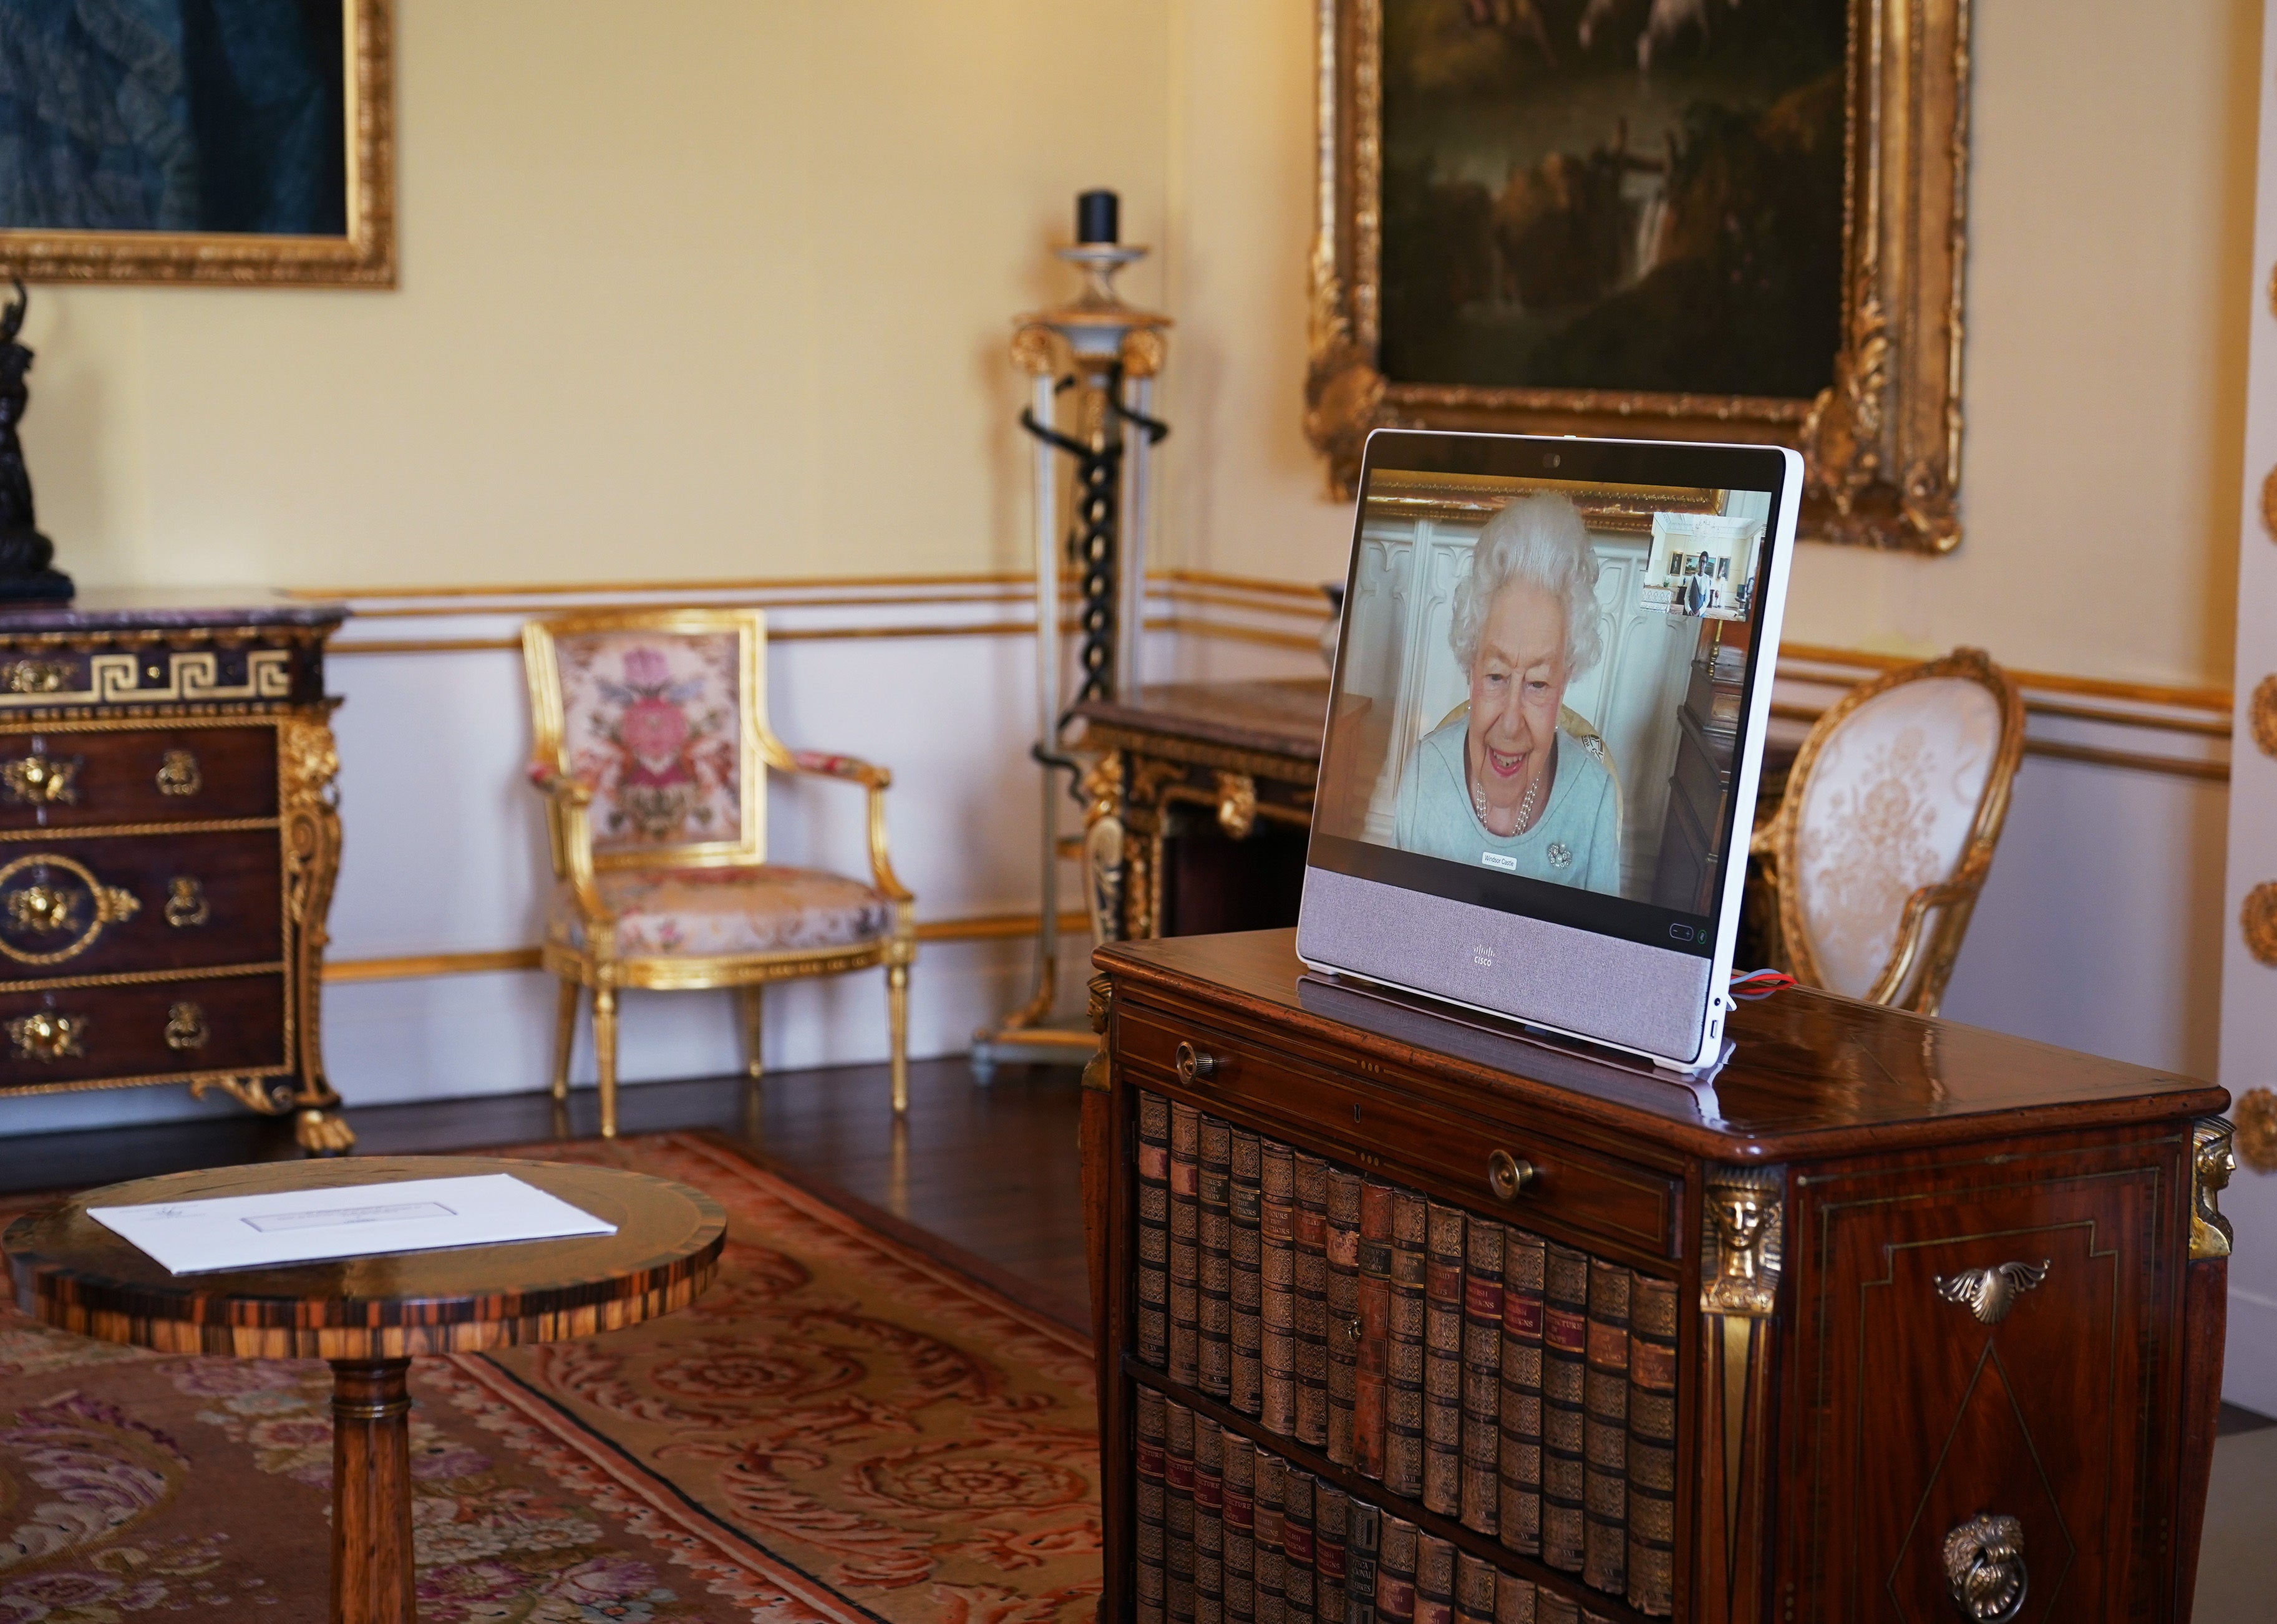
1613, 194
196, 116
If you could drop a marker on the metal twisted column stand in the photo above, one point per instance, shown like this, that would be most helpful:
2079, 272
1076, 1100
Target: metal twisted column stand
1100, 355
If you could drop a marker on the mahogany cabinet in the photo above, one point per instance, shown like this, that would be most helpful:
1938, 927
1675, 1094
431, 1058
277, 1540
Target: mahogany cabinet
1949, 1303
168, 844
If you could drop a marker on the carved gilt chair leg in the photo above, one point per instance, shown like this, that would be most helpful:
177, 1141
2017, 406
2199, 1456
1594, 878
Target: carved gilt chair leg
898, 1015
604, 1053
751, 1001
564, 1034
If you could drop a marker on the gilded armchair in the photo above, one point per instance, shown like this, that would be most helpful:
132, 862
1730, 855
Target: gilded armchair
651, 752
1883, 840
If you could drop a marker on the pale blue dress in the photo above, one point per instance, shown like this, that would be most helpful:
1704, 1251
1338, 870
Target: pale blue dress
1576, 841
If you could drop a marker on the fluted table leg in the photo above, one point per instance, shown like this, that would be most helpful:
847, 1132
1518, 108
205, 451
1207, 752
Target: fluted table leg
371, 1494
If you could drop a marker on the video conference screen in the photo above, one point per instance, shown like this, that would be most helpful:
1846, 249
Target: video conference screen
1540, 691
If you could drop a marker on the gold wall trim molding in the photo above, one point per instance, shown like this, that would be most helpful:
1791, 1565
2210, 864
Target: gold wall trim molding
416, 966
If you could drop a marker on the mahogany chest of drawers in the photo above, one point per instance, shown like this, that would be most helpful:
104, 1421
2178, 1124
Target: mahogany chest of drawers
1894, 1319
168, 844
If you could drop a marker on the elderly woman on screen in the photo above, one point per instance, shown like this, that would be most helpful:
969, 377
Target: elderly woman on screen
1500, 785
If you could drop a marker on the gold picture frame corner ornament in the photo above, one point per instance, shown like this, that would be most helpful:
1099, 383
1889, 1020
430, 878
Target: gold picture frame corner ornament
2257, 918
2255, 1117
1882, 441
363, 257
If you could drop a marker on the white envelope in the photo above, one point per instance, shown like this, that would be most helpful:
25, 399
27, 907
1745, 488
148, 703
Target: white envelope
360, 1220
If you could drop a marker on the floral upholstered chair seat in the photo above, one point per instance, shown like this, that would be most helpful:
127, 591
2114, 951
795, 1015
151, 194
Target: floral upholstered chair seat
719, 913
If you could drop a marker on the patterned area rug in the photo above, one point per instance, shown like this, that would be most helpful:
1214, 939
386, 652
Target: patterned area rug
842, 1428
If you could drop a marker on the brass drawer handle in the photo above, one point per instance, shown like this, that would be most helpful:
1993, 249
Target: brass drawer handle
185, 1026
1193, 1065
1509, 1176
1984, 1567
1989, 1293
47, 1035
186, 902
38, 780
178, 774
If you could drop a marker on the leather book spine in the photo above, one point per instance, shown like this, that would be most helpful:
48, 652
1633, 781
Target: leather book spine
1482, 1491
1213, 1360
1363, 1539
1514, 1600
1443, 1361
1403, 1403
1296, 1572
1552, 1608
1652, 1445
1209, 1519
1186, 1248
1246, 1374
1312, 1300
1395, 1573
1178, 1514
1519, 1467
1272, 1482
1435, 1581
1152, 1329
1343, 1309
1277, 1299
1564, 1357
1605, 1432
1241, 1563
1331, 1529
1151, 1576
1474, 1590
1370, 1368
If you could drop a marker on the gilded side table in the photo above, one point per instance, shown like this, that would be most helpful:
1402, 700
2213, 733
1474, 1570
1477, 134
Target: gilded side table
169, 838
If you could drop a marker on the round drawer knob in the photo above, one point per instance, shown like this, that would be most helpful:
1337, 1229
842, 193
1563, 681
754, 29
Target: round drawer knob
1508, 1176
1194, 1064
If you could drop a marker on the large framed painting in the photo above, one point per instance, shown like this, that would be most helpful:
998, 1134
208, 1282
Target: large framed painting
243, 141
1675, 219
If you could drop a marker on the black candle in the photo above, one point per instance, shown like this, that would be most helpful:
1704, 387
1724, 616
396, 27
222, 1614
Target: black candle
1095, 216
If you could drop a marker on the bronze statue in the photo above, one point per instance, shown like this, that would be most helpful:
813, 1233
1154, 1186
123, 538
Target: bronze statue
26, 556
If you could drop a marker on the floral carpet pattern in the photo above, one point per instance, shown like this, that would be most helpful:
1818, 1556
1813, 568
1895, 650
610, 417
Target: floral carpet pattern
840, 1428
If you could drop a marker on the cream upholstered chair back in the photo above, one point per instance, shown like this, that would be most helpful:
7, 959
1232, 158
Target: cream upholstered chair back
662, 718
1891, 812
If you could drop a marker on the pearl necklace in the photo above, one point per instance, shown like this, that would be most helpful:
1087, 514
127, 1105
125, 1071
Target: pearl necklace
1525, 806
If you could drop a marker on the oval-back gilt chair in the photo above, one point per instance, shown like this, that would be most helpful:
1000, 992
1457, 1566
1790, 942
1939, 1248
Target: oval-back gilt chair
1881, 843
652, 750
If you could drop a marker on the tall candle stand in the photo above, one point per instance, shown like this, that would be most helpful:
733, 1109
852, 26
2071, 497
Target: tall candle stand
1093, 364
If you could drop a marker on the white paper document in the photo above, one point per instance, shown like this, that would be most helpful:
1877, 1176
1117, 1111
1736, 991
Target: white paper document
360, 1220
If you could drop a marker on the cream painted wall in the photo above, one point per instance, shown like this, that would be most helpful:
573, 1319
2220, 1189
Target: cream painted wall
2111, 214
720, 287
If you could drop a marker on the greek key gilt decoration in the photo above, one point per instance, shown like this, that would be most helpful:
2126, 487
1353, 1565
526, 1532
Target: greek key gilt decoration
1989, 1293
2212, 1161
1985, 1568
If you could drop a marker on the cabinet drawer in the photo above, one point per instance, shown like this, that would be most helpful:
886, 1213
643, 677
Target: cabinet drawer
146, 902
161, 1029
2031, 1398
1425, 1144
61, 777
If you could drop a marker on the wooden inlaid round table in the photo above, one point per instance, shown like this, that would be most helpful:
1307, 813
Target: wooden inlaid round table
369, 1316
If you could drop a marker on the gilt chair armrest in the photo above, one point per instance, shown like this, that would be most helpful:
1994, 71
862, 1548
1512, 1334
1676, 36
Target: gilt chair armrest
1913, 927
877, 781
570, 832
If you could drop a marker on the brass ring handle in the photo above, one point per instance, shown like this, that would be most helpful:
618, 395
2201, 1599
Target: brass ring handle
1509, 1176
1193, 1065
1985, 1568
178, 774
47, 1035
185, 1026
186, 902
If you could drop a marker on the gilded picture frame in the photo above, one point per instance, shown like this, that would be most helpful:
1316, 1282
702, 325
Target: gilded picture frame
1882, 441
361, 255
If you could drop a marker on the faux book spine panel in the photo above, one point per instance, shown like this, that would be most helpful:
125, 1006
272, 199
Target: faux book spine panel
1214, 1350
1186, 1250
1152, 1329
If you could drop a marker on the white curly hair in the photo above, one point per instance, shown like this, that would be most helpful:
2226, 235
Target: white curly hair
1542, 541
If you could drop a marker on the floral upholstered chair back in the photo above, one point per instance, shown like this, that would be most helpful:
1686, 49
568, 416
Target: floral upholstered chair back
661, 718
1891, 812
